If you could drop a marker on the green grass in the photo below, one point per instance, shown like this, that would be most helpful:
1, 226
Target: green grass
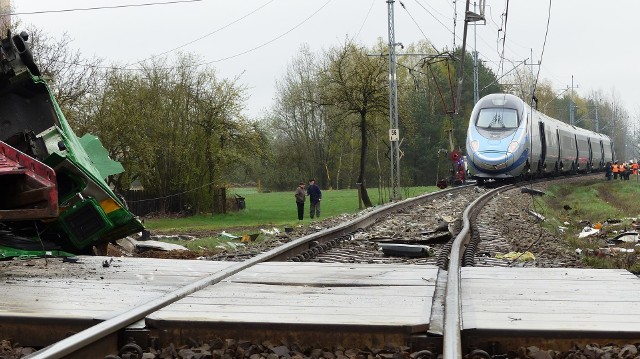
274, 209
596, 202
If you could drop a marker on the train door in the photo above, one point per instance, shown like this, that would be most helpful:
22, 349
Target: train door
590, 160
613, 153
603, 160
576, 160
559, 161
543, 147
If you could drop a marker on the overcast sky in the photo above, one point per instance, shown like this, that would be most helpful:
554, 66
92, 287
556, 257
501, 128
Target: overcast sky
257, 39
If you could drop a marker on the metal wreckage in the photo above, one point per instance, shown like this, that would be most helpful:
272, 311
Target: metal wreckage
54, 199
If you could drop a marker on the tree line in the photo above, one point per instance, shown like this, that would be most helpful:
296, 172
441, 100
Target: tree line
177, 127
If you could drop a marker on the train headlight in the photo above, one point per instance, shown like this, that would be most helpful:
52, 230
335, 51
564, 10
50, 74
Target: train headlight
475, 145
513, 146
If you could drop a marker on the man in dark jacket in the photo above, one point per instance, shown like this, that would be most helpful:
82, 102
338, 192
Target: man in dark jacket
300, 198
315, 196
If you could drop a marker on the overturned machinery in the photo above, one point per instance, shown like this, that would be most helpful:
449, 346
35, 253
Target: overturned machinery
53, 192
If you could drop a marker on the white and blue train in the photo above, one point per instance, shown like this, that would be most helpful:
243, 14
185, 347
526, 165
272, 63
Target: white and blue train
507, 139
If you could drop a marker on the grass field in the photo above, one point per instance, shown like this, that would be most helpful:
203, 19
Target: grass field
274, 209
596, 202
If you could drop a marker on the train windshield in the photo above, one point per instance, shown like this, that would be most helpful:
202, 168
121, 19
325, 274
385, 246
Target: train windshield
497, 118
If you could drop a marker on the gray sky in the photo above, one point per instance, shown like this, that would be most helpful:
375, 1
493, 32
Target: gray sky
257, 39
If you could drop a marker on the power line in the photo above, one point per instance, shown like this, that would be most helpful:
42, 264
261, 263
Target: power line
543, 46
272, 40
207, 35
103, 7
434, 9
453, 33
213, 61
504, 36
417, 25
435, 18
365, 18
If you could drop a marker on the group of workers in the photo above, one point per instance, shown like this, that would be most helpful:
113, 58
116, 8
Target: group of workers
623, 170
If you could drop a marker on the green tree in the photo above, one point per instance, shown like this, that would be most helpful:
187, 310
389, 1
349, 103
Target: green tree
175, 127
356, 84
300, 123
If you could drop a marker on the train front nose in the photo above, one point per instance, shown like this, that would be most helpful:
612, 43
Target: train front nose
494, 157
492, 161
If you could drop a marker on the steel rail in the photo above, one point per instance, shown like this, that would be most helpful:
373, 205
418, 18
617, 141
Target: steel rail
452, 339
90, 335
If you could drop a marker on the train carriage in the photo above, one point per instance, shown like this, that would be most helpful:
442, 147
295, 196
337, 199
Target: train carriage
506, 139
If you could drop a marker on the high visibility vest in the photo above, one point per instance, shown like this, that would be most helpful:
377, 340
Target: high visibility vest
615, 168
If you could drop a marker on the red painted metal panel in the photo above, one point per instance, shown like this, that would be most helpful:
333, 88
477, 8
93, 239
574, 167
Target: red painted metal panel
27, 187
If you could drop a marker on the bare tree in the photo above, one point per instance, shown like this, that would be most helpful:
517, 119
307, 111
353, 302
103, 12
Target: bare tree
72, 77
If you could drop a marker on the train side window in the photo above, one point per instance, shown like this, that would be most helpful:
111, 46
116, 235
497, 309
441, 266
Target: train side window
497, 118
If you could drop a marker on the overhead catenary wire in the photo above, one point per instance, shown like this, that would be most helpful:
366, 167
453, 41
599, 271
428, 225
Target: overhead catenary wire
365, 19
125, 68
546, 33
541, 230
206, 35
102, 7
503, 28
434, 17
452, 32
128, 66
417, 25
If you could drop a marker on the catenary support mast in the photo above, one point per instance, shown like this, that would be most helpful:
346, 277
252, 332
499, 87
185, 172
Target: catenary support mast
394, 135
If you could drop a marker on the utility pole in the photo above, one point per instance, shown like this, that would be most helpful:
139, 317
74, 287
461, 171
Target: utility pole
571, 106
476, 93
469, 16
597, 120
613, 120
531, 89
394, 134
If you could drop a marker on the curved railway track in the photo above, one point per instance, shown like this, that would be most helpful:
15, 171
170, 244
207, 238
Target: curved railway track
287, 251
463, 210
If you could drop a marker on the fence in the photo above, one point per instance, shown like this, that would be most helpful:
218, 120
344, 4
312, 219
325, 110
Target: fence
144, 203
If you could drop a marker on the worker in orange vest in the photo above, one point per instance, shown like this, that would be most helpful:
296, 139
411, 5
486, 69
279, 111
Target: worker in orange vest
615, 170
634, 168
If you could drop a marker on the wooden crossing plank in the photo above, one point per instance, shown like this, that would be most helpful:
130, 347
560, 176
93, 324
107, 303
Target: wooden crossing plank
551, 322
550, 299
87, 290
550, 273
338, 274
303, 305
336, 294
313, 293
550, 306
568, 286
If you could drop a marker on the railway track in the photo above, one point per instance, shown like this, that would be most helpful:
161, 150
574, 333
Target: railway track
288, 251
462, 212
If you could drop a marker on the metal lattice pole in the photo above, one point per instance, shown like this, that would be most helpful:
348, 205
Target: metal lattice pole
394, 135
